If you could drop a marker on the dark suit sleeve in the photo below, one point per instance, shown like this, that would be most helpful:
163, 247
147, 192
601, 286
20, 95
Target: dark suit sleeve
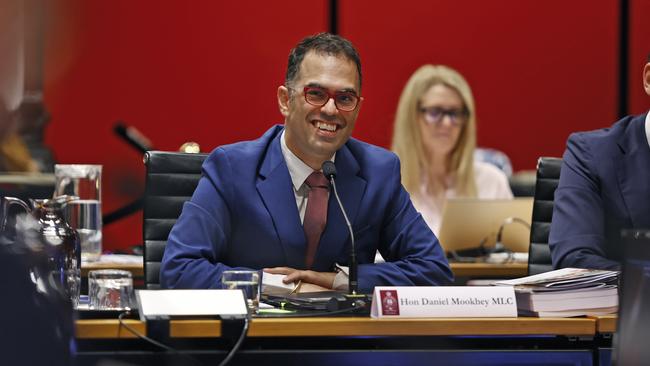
413, 254
197, 243
577, 237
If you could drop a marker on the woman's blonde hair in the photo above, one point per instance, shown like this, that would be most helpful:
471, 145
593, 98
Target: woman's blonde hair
407, 139
14, 155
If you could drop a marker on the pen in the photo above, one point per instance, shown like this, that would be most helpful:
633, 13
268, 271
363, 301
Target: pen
296, 288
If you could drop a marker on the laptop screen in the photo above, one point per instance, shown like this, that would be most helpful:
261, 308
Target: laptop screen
633, 331
468, 223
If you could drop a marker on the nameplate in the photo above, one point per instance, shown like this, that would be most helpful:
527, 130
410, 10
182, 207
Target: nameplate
444, 301
154, 303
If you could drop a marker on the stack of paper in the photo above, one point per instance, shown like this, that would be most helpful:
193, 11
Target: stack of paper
566, 292
272, 284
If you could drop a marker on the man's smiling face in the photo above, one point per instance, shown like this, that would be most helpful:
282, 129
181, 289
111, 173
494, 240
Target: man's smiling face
315, 133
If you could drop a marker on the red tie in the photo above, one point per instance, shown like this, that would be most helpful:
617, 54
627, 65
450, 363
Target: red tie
316, 213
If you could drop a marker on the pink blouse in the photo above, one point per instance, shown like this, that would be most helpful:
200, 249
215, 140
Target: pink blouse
491, 183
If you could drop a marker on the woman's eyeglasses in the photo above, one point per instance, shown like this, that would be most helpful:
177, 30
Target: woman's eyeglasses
435, 115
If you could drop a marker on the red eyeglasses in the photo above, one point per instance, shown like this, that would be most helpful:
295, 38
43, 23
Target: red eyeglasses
344, 100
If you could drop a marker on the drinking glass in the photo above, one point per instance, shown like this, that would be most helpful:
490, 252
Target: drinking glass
85, 213
246, 280
110, 289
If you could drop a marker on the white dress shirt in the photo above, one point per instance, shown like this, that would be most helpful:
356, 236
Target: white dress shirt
299, 171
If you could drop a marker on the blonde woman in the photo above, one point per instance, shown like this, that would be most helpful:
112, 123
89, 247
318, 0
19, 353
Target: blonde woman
14, 156
435, 137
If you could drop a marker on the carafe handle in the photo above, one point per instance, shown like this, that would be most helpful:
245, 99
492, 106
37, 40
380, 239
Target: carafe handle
8, 202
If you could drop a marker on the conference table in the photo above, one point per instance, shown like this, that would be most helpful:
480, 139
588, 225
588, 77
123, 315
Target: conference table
358, 340
606, 323
605, 329
136, 269
460, 270
350, 327
489, 270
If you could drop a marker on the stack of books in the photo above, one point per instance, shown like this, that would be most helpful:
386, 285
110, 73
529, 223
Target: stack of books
566, 292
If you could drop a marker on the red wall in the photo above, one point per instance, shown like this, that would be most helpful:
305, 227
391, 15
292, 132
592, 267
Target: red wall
208, 71
639, 49
538, 70
205, 71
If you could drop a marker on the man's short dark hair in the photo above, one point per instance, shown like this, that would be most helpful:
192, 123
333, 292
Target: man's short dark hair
648, 59
324, 44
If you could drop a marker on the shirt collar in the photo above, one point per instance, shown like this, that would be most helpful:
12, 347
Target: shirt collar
298, 170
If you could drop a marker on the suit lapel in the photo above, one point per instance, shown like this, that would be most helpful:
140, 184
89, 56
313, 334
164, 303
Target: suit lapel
634, 173
275, 188
351, 187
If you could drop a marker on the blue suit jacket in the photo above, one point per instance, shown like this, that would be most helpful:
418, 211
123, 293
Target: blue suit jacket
244, 214
604, 187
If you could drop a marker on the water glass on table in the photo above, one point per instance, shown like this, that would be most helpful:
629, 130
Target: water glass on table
110, 289
85, 213
246, 280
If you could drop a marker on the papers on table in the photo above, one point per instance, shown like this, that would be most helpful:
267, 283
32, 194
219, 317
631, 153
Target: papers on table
272, 284
563, 279
566, 292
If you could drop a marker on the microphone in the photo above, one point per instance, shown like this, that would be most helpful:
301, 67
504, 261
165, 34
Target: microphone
351, 300
329, 170
493, 254
134, 137
498, 245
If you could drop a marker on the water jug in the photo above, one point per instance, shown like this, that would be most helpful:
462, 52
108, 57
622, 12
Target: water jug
60, 241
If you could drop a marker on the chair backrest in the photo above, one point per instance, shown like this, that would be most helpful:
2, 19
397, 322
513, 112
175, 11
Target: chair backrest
171, 178
548, 176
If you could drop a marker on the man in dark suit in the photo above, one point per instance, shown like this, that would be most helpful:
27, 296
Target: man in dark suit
251, 203
604, 187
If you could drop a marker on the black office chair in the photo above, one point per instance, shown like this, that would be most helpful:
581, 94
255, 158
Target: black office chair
171, 178
548, 176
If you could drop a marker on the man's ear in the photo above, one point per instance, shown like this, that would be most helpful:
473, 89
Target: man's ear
283, 100
646, 78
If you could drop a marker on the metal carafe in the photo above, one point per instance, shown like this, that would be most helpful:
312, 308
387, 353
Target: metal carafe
60, 241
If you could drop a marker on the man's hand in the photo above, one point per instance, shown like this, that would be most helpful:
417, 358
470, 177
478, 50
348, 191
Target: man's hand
311, 281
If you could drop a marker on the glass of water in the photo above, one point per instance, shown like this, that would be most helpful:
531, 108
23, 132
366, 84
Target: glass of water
85, 213
110, 289
246, 280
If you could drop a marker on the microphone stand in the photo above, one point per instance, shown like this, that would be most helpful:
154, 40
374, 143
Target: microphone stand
498, 245
353, 271
134, 138
357, 303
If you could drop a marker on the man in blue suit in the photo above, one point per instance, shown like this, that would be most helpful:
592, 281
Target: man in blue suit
250, 204
604, 187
